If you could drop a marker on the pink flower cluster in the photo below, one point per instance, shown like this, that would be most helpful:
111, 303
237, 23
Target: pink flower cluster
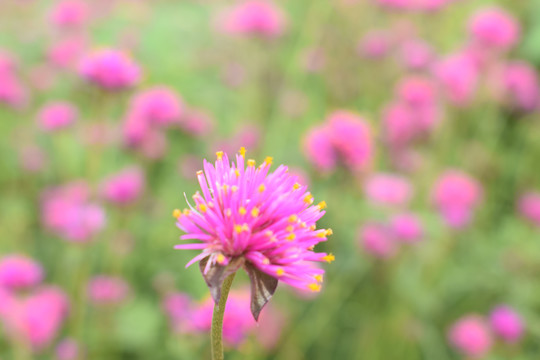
110, 70
124, 187
105, 290
33, 316
68, 212
254, 17
345, 137
473, 335
189, 317
529, 207
57, 115
386, 189
456, 195
414, 5
70, 14
12, 91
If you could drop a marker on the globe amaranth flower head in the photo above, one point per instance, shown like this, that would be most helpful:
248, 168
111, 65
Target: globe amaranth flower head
262, 221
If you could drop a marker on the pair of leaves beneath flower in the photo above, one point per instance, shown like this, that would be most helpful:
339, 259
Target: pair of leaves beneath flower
263, 285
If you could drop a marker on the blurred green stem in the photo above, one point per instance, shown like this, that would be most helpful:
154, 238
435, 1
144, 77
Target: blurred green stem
217, 319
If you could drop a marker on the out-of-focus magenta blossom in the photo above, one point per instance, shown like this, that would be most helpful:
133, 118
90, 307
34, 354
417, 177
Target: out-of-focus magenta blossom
407, 228
456, 195
124, 187
377, 240
470, 335
345, 137
197, 122
458, 77
180, 309
68, 349
416, 54
388, 189
375, 44
494, 29
520, 87
68, 212
66, 52
506, 323
19, 271
110, 69
399, 125
264, 219
70, 13
12, 91
319, 149
35, 319
107, 290
32, 158
417, 91
529, 207
159, 105
254, 17
57, 115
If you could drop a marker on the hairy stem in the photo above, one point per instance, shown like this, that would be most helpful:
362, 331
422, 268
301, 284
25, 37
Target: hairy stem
217, 319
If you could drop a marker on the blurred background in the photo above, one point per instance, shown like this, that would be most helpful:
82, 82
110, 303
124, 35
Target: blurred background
417, 121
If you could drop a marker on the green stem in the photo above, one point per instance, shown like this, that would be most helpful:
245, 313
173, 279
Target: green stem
217, 319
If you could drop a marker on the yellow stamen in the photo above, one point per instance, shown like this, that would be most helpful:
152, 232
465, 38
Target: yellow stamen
200, 172
242, 210
289, 228
228, 212
242, 151
234, 188
262, 188
251, 162
293, 218
237, 173
255, 212
186, 212
202, 208
176, 213
291, 237
220, 259
280, 271
329, 232
268, 160
319, 278
312, 227
296, 186
269, 233
314, 287
225, 188
303, 225
238, 228
329, 258
245, 227
219, 155
308, 199
322, 205
266, 261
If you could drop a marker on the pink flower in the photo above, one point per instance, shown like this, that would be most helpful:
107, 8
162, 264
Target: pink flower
68, 349
264, 221
529, 207
254, 17
12, 92
494, 29
37, 318
32, 158
388, 189
377, 240
399, 125
57, 115
470, 335
159, 105
458, 77
70, 13
66, 52
67, 212
506, 323
110, 69
375, 44
197, 122
520, 85
180, 309
407, 228
237, 321
416, 54
417, 92
351, 137
124, 187
19, 271
456, 195
107, 290
319, 149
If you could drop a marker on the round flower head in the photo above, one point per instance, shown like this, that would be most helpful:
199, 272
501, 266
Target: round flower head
458, 77
375, 44
494, 29
319, 150
107, 290
254, 17
19, 271
70, 13
506, 323
407, 228
159, 105
262, 221
110, 69
388, 189
399, 125
57, 115
529, 207
456, 195
470, 335
66, 52
180, 309
124, 187
68, 349
377, 240
520, 86
416, 54
417, 92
